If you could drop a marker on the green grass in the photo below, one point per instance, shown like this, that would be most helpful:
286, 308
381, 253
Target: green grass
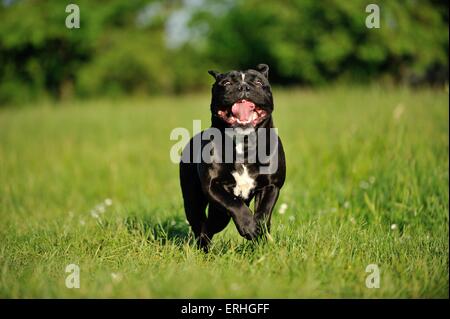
359, 161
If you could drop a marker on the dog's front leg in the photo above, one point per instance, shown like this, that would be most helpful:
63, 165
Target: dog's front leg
265, 201
240, 213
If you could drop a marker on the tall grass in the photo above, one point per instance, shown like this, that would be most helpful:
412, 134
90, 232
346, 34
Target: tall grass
367, 183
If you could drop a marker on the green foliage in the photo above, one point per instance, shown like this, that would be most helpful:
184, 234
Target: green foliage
313, 42
107, 54
358, 162
124, 47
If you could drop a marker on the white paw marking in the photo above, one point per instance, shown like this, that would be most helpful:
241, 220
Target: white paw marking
244, 184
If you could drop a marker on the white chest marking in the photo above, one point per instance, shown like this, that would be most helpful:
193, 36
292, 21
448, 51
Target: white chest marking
244, 183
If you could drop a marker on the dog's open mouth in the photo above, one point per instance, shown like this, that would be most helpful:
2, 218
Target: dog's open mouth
243, 112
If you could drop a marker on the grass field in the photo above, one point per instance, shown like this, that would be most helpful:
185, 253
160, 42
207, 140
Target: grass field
367, 183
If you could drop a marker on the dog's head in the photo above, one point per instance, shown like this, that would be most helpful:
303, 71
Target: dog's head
242, 98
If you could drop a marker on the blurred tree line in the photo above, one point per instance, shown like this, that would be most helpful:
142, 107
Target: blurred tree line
165, 47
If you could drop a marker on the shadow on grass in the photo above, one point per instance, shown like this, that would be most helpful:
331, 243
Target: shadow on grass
174, 230
171, 229
242, 247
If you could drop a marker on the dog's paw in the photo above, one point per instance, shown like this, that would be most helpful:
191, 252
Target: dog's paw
249, 228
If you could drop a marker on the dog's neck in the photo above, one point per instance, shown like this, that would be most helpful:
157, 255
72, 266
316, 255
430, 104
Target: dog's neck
243, 140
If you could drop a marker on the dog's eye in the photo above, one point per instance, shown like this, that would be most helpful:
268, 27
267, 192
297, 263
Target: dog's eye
226, 83
258, 82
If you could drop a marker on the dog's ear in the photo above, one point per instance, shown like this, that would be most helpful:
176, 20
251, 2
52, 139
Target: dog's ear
264, 69
215, 74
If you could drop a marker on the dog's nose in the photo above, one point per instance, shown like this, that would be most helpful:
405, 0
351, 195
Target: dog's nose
244, 87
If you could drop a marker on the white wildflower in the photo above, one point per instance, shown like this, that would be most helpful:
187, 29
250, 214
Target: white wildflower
100, 208
282, 208
94, 214
364, 185
235, 286
116, 277
108, 202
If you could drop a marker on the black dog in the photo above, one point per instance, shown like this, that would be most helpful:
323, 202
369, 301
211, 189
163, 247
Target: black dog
210, 174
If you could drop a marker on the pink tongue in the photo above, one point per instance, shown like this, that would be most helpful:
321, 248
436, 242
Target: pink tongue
243, 110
